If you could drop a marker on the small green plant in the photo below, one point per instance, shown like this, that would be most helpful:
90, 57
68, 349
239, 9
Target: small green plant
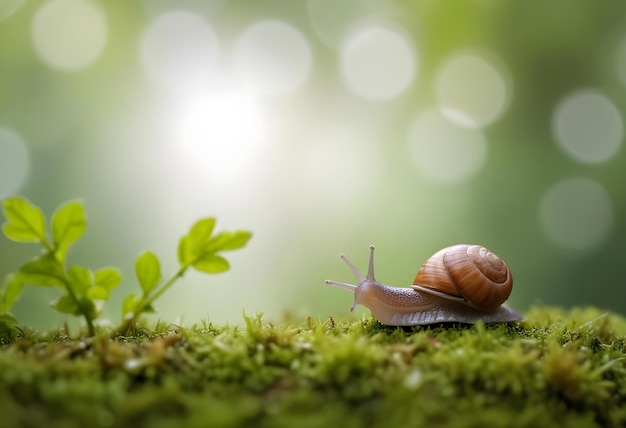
84, 291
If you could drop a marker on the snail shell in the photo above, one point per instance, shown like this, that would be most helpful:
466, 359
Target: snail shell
472, 272
461, 283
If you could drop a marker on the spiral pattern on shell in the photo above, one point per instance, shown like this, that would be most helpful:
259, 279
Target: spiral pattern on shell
469, 271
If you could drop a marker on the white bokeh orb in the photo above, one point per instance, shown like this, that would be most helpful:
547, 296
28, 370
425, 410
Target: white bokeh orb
180, 50
272, 58
588, 127
577, 213
69, 34
445, 152
378, 63
471, 91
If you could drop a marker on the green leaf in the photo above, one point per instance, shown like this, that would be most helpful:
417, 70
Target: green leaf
98, 293
68, 225
201, 231
107, 278
44, 271
238, 240
211, 263
148, 271
11, 289
132, 305
66, 305
185, 255
9, 327
8, 318
217, 242
227, 241
25, 221
81, 279
198, 244
198, 238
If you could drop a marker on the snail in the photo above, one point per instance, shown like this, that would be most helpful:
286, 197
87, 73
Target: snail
462, 283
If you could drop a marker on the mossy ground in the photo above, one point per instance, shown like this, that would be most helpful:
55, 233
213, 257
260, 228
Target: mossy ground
558, 368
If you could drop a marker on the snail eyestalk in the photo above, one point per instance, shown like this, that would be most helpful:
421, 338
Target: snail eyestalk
370, 269
357, 273
343, 285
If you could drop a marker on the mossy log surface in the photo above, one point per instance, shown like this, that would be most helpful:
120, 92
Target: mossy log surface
557, 368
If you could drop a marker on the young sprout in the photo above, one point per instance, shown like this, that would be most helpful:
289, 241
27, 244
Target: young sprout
84, 291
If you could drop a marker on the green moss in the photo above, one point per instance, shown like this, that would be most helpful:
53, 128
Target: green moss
558, 368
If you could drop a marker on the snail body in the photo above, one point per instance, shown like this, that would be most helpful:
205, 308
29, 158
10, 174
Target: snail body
461, 283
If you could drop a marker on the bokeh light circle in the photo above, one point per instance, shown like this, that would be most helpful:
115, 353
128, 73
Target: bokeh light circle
180, 50
443, 151
378, 63
14, 162
69, 34
577, 213
471, 91
272, 58
588, 127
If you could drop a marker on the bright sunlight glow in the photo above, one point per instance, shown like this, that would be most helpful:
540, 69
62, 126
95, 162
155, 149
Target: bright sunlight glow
222, 132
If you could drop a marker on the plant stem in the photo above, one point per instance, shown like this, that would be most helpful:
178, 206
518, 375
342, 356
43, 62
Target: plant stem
90, 327
66, 282
163, 288
147, 301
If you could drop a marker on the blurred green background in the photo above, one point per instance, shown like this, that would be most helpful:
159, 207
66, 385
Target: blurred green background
323, 127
